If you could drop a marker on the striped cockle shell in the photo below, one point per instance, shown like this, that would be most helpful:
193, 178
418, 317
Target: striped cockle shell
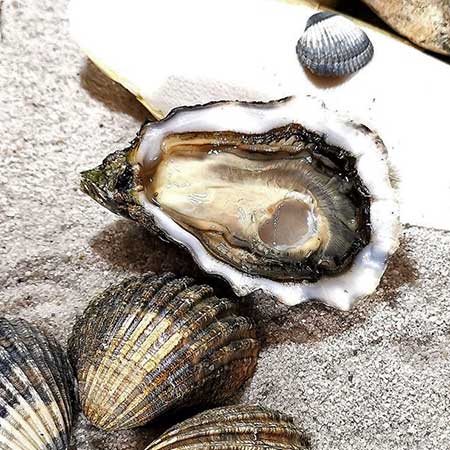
155, 343
332, 45
241, 427
36, 389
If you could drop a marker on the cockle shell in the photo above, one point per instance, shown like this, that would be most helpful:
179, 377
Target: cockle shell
240, 427
333, 46
157, 343
402, 94
285, 197
36, 389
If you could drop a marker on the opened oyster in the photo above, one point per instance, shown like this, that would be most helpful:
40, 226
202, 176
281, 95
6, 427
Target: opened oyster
285, 196
157, 343
240, 427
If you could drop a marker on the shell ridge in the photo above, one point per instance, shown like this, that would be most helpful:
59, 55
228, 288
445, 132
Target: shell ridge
182, 353
48, 389
246, 427
233, 413
13, 404
121, 296
332, 47
165, 289
23, 433
159, 302
150, 359
19, 366
67, 388
55, 381
208, 371
35, 392
91, 331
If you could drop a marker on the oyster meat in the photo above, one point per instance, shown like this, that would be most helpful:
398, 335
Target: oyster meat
157, 343
36, 389
240, 427
285, 197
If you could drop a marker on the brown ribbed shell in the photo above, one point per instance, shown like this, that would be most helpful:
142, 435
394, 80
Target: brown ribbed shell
241, 427
156, 343
36, 388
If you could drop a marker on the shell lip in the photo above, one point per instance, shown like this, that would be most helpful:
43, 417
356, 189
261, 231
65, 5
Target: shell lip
289, 293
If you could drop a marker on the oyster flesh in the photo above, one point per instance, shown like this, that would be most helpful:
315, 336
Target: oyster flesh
285, 197
240, 427
156, 343
36, 389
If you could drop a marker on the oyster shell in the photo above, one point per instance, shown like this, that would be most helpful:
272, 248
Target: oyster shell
36, 389
333, 45
156, 343
257, 62
424, 22
285, 197
233, 428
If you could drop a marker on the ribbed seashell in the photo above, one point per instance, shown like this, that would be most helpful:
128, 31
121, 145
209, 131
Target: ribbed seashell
333, 46
36, 388
156, 343
240, 427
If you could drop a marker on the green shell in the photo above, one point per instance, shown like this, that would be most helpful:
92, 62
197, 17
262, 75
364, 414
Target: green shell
36, 389
156, 343
241, 427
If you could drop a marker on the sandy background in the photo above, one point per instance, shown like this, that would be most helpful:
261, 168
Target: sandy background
375, 378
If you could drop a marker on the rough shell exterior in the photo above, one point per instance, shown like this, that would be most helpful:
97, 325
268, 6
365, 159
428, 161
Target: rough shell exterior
424, 22
156, 343
36, 389
332, 45
241, 427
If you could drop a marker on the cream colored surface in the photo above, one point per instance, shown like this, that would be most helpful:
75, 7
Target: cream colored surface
222, 52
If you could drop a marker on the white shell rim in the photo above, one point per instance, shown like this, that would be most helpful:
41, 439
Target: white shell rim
339, 291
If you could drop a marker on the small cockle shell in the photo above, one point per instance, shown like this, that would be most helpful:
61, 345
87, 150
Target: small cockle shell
36, 389
240, 427
333, 45
156, 343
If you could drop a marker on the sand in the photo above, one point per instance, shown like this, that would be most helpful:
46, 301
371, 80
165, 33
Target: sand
374, 378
